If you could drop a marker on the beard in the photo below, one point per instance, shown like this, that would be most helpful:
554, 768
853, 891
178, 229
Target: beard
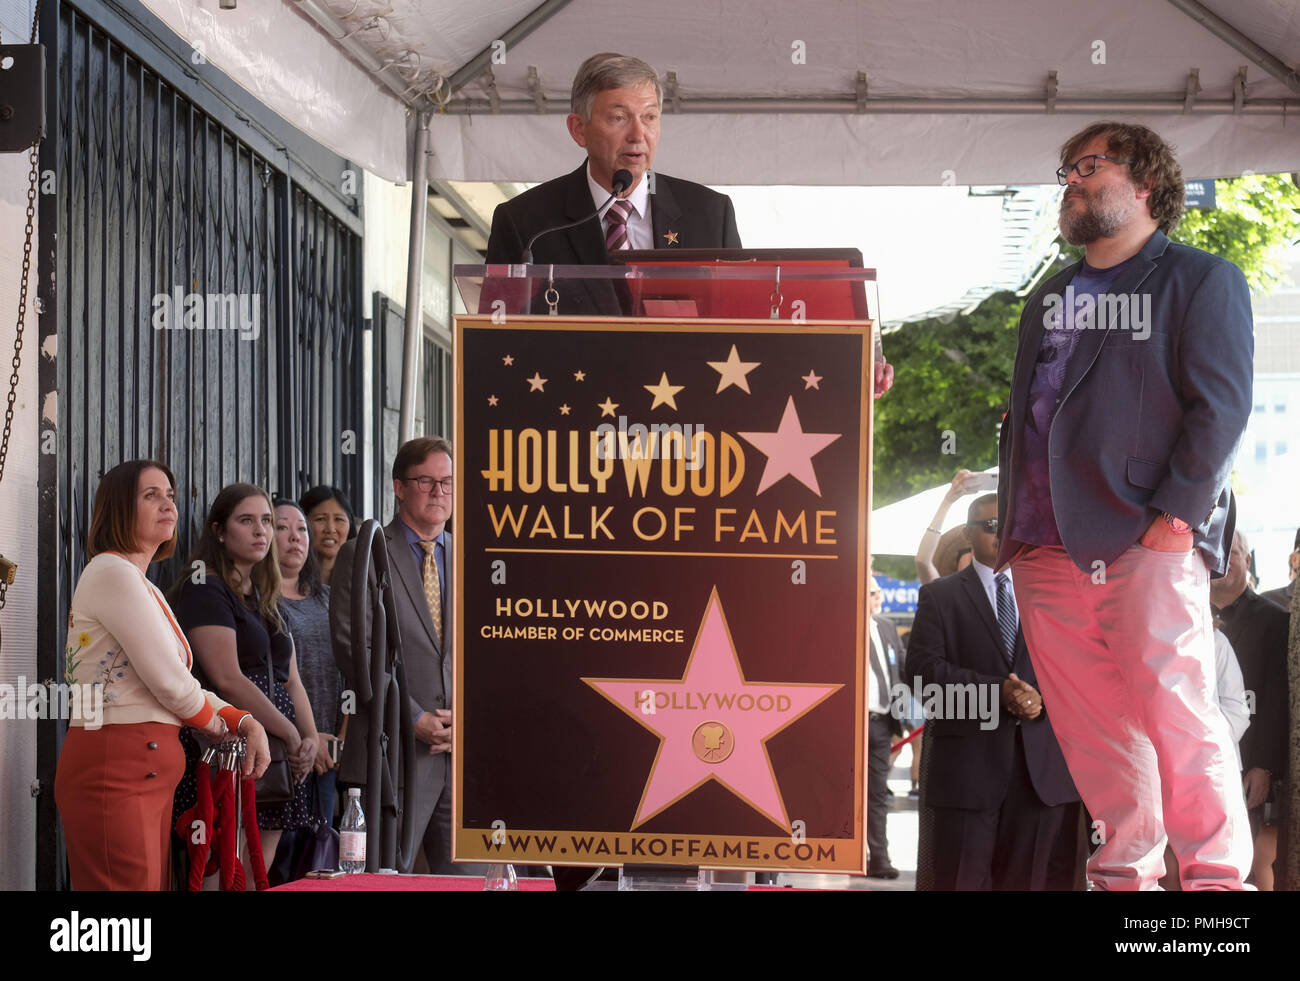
1104, 214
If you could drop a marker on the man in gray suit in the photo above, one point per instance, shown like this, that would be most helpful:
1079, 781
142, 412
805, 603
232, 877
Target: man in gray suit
420, 558
1131, 390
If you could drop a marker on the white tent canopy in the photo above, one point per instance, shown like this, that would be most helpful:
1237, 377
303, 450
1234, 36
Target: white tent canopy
765, 92
896, 529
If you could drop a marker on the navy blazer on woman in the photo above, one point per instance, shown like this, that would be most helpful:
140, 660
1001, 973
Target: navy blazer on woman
1149, 419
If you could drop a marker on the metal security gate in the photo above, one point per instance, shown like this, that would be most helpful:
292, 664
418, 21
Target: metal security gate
433, 394
207, 277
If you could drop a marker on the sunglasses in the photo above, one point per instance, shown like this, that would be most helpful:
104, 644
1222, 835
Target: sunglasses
991, 525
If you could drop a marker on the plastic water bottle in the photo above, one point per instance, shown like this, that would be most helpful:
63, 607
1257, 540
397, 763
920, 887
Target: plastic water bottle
352, 835
500, 878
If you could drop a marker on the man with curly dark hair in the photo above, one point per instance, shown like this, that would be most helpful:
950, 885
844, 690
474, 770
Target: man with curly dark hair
1131, 390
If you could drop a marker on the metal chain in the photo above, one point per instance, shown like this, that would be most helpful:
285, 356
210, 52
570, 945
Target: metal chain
34, 157
22, 306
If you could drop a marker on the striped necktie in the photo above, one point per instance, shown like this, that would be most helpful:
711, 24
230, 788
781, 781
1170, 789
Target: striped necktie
616, 235
433, 587
1006, 617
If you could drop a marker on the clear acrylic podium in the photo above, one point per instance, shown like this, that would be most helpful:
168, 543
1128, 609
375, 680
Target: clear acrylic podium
792, 285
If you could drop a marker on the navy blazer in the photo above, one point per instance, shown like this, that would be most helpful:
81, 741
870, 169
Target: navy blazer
1145, 423
955, 640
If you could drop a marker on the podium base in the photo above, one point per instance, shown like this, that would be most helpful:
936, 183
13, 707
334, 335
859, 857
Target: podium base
664, 878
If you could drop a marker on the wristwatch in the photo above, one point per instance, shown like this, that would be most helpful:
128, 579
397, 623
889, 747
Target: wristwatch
1179, 526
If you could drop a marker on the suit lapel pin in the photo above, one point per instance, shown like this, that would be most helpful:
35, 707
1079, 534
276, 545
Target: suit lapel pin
671, 236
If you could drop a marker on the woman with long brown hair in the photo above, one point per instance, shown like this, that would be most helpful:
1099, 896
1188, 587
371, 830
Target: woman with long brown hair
120, 765
227, 602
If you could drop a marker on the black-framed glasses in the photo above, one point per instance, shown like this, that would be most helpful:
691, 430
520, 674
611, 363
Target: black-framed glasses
426, 484
990, 525
1084, 167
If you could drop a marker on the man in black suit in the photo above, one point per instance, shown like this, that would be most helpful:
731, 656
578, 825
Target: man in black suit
420, 558
886, 651
1131, 390
615, 105
1004, 804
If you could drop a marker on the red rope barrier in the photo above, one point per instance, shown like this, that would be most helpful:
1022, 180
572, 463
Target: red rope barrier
895, 747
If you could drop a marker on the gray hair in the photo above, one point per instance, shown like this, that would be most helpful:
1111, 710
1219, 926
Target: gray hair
608, 70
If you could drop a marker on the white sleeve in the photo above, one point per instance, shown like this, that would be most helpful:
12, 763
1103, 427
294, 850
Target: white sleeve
1230, 689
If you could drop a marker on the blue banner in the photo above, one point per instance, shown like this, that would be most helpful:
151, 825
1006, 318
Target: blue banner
899, 595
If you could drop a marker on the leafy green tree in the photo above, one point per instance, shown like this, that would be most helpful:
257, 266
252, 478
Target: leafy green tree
944, 413
954, 375
1254, 219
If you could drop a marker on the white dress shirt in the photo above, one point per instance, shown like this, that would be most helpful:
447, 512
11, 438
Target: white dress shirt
991, 587
1229, 693
877, 700
640, 226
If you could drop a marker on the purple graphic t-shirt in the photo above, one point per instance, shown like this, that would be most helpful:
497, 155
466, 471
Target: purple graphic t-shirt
1033, 518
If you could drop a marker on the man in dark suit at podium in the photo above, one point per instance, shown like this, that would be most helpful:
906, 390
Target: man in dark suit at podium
615, 105
1002, 796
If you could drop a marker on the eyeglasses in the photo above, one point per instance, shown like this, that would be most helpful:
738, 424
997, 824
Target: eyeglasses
1084, 167
427, 484
991, 525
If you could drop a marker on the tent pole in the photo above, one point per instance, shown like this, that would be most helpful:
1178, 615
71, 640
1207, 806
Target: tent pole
1224, 31
414, 334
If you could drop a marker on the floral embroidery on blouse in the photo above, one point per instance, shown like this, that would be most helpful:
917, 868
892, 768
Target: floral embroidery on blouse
70, 659
110, 669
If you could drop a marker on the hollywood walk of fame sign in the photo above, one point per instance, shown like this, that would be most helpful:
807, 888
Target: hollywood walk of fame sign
661, 536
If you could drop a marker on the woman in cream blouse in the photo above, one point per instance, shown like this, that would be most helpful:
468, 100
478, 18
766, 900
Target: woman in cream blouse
122, 757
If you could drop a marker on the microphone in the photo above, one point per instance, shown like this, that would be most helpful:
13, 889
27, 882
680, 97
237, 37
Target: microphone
622, 180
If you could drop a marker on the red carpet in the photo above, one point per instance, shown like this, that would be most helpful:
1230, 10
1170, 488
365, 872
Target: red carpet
370, 882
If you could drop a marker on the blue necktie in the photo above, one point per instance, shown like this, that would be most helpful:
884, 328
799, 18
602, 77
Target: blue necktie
1006, 617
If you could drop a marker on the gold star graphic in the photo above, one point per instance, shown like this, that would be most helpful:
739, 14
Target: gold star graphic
607, 407
493, 400
664, 393
507, 360
733, 371
564, 410
537, 382
811, 380
579, 376
671, 236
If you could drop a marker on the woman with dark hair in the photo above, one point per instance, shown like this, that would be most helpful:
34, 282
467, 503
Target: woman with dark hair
122, 757
330, 517
228, 603
304, 604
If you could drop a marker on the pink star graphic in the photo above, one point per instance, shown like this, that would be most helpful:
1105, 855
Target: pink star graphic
712, 723
790, 451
